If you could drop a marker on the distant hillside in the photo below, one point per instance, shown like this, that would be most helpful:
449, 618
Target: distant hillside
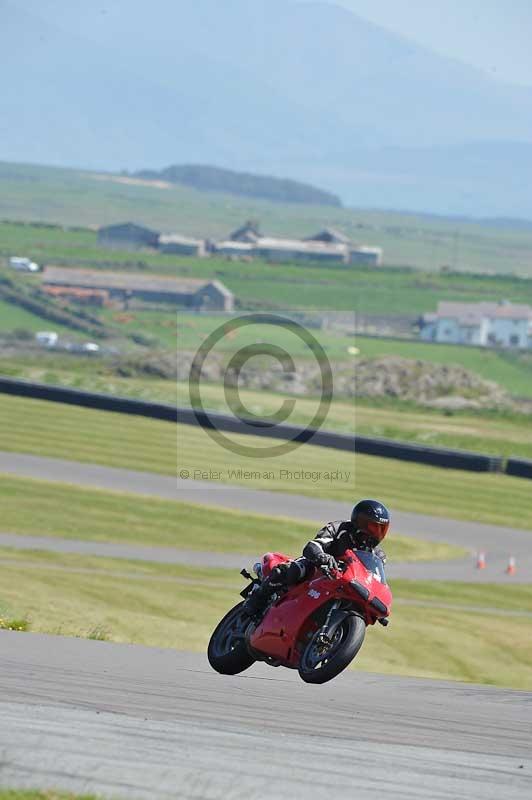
215, 179
279, 87
76, 198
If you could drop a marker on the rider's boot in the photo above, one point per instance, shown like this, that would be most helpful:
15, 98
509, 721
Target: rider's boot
257, 601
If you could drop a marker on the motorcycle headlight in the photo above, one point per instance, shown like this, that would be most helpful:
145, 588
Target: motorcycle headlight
359, 589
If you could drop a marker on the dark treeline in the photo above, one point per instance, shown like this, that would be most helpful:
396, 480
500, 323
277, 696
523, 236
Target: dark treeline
215, 179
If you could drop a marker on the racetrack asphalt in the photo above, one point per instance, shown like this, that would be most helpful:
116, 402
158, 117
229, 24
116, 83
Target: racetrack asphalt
135, 722
497, 543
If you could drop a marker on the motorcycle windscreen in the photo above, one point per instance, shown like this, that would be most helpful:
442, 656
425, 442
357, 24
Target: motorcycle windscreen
373, 564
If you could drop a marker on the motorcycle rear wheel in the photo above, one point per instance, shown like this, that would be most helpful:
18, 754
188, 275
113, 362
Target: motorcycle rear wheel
319, 664
227, 651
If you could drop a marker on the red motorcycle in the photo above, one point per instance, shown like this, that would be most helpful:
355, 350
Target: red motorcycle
316, 626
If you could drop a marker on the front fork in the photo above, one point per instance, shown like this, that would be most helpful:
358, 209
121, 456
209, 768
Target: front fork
323, 638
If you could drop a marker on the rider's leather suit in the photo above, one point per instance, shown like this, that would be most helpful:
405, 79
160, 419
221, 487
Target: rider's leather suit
331, 540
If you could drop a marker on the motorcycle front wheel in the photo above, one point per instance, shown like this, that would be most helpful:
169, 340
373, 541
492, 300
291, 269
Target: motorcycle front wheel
227, 651
323, 658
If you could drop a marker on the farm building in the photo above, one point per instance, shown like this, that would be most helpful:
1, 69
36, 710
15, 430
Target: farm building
181, 245
214, 296
365, 255
328, 245
357, 254
123, 286
501, 324
234, 249
90, 297
249, 232
127, 236
280, 250
329, 236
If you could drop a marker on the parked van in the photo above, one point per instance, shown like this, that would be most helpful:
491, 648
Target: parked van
23, 264
47, 338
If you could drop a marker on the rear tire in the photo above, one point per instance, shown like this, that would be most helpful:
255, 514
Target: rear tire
317, 666
227, 652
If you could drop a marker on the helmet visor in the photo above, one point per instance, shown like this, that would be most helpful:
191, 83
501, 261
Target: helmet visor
374, 530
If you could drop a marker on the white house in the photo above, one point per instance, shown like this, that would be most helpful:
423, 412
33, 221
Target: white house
502, 324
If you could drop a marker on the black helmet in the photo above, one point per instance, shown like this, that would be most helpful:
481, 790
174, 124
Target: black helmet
371, 520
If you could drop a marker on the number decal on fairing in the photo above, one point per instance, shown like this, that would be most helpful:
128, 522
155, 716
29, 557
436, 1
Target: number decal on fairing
313, 593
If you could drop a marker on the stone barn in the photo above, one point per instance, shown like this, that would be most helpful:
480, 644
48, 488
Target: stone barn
127, 236
182, 245
124, 286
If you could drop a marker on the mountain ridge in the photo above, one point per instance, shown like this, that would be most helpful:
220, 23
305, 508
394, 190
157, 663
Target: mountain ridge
308, 90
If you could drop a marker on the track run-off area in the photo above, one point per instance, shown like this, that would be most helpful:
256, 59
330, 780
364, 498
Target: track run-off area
136, 722
127, 721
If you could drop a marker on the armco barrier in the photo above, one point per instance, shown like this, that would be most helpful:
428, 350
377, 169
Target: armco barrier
385, 448
519, 467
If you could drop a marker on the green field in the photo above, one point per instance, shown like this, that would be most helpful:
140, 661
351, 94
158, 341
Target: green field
386, 290
72, 197
171, 329
166, 606
43, 428
511, 370
13, 317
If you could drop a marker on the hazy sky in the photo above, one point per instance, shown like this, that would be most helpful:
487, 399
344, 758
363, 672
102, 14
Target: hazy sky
491, 34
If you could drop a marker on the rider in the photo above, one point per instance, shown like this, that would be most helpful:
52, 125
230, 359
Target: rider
365, 530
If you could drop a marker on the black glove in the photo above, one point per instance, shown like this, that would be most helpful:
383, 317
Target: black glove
326, 560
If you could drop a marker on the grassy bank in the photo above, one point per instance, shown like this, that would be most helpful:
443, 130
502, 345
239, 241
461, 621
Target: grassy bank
39, 427
14, 317
176, 607
38, 508
512, 370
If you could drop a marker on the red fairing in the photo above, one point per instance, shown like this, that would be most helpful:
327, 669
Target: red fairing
290, 622
272, 560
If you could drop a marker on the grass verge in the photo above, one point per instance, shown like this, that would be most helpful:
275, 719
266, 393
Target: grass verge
177, 607
499, 432
48, 794
118, 440
37, 508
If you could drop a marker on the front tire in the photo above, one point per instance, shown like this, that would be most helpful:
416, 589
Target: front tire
320, 663
227, 651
